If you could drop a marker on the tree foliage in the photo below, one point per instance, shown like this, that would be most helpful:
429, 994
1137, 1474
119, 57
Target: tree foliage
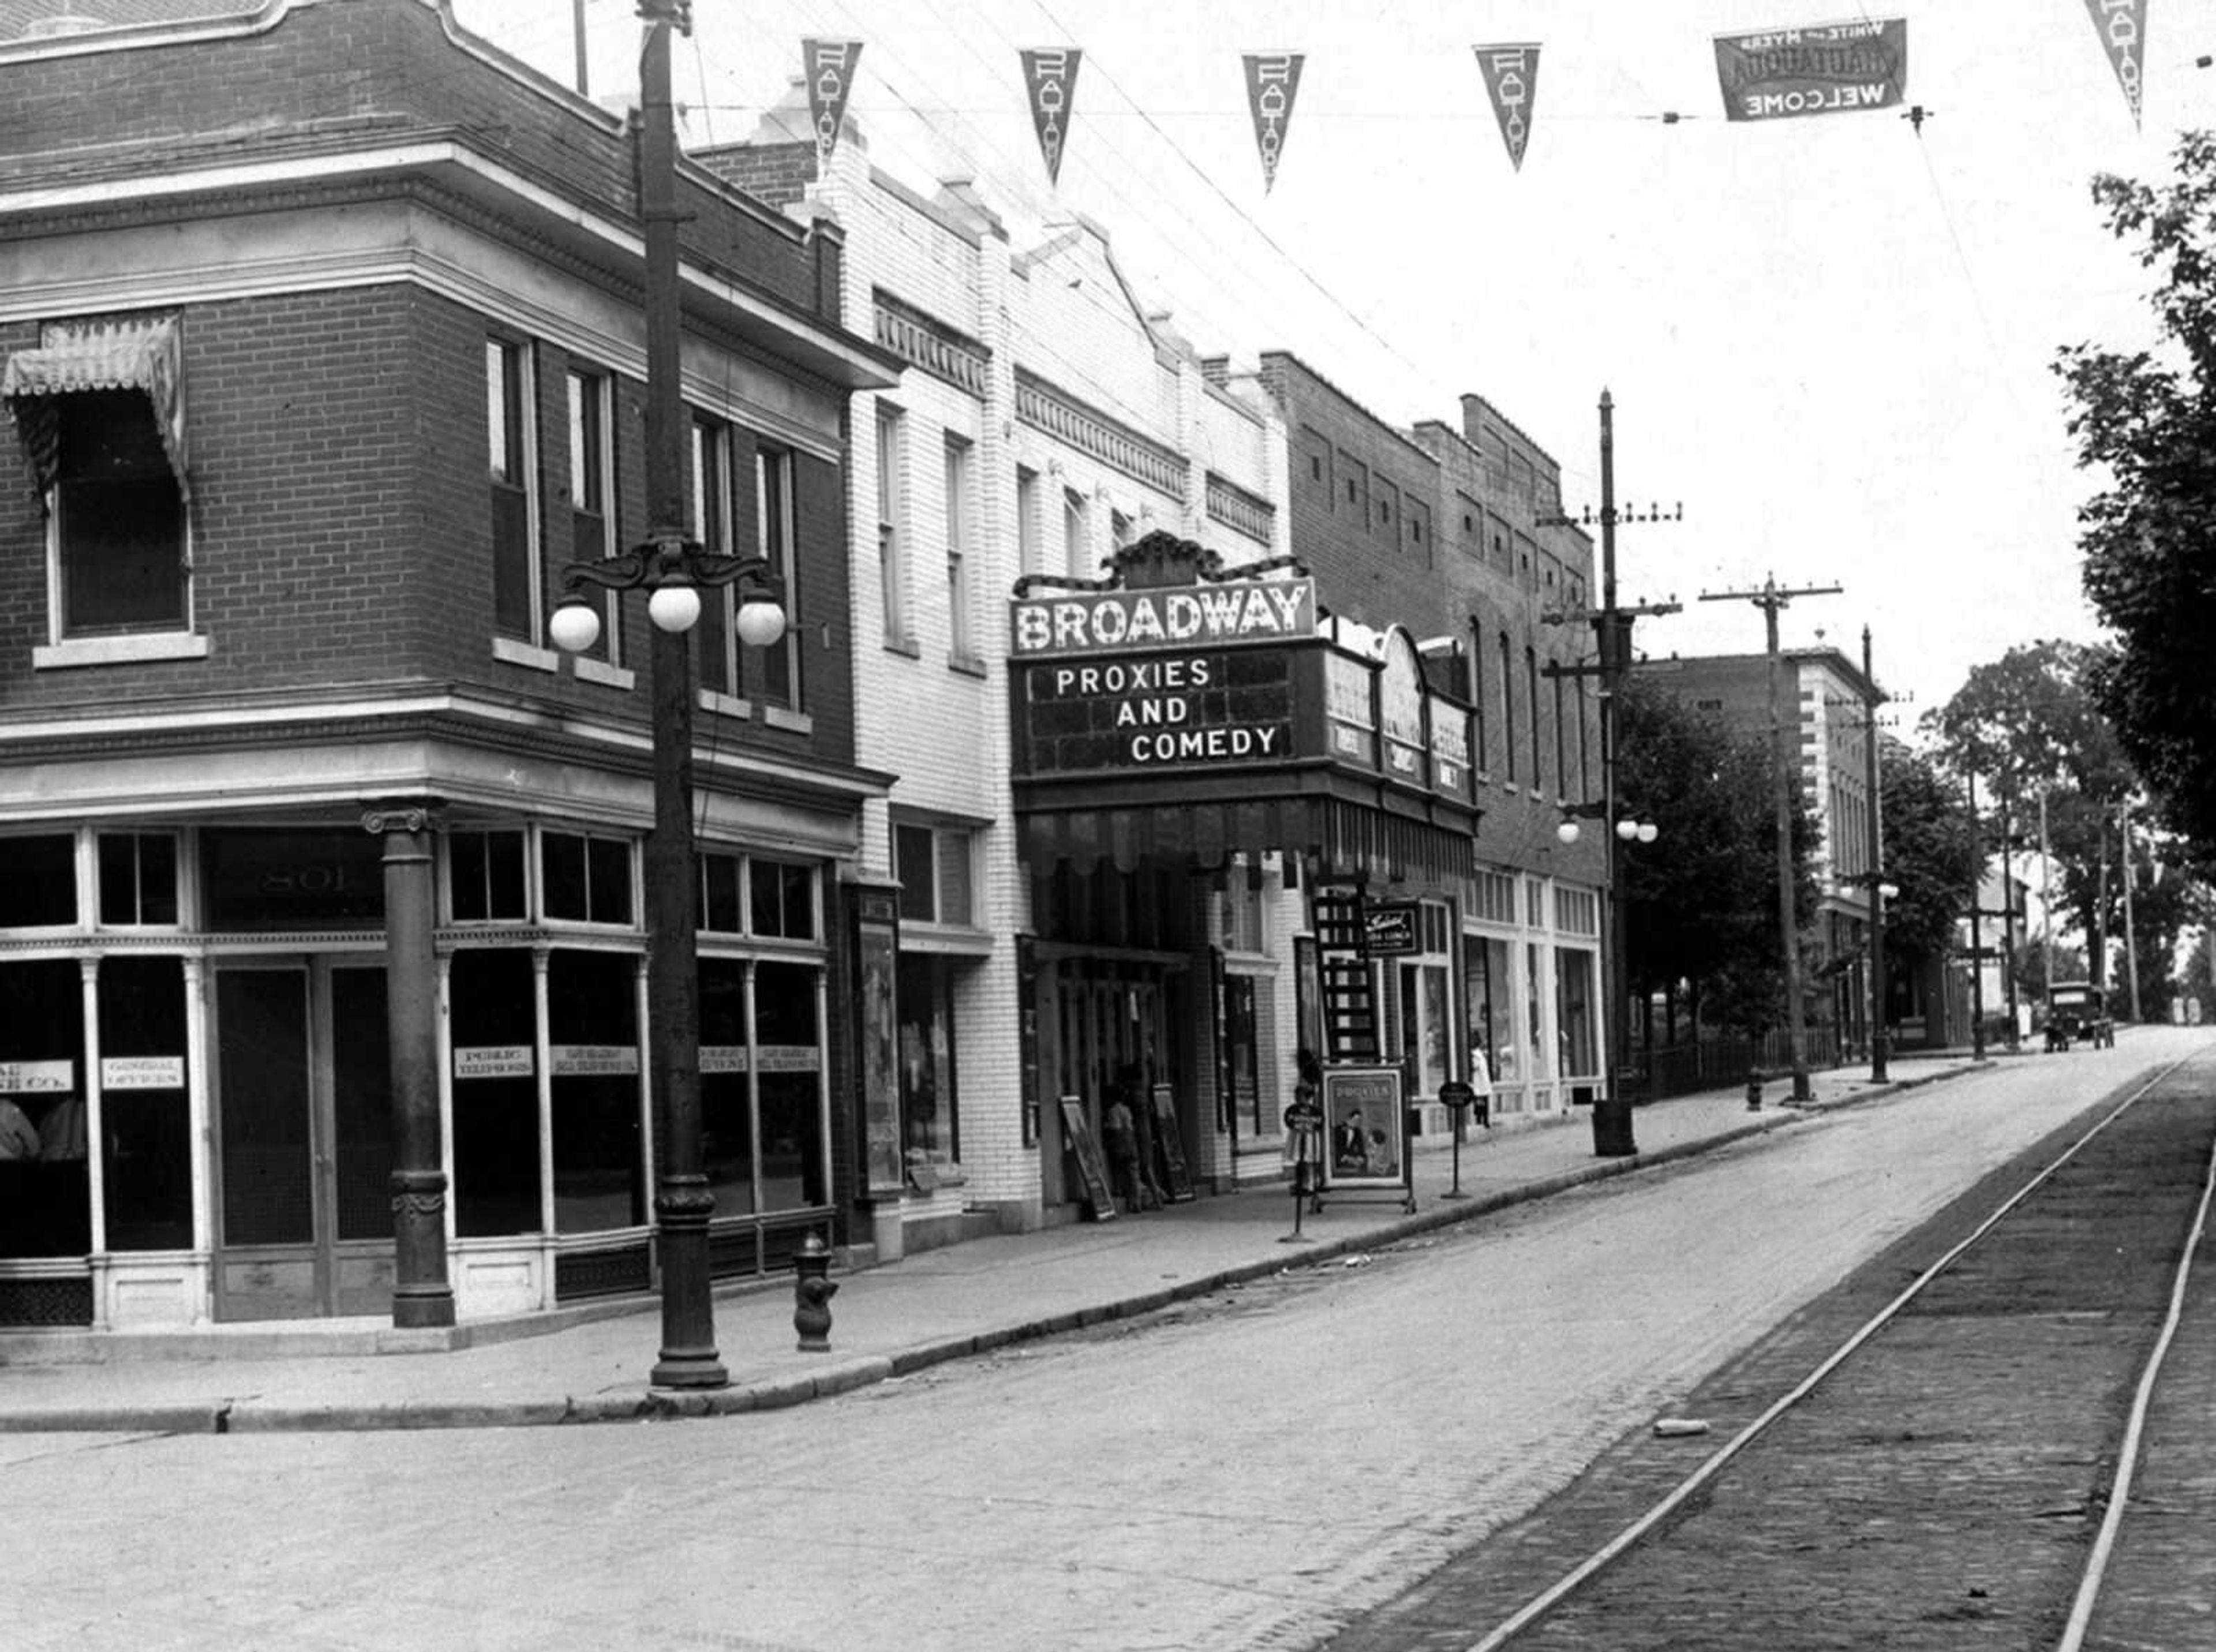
1930, 856
2147, 422
1701, 903
2028, 727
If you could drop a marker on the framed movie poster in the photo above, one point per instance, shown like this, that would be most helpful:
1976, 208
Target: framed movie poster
1364, 1128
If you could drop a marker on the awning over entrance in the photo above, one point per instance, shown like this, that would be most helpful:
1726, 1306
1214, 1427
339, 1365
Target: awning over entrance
1338, 838
127, 355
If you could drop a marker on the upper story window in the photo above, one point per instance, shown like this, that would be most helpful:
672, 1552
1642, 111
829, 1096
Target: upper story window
513, 467
99, 409
1029, 551
715, 524
38, 881
935, 868
137, 879
892, 524
961, 513
592, 493
776, 542
755, 895
1076, 535
586, 879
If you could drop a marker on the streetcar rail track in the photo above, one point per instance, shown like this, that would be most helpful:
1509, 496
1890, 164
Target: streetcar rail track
1631, 1536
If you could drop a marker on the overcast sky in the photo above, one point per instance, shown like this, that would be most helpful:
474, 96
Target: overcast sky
1829, 337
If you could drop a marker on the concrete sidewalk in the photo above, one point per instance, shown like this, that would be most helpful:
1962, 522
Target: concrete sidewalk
888, 1321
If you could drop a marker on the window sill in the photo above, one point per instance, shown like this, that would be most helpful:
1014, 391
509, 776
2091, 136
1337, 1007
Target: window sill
797, 722
903, 645
526, 655
968, 664
589, 670
724, 705
120, 650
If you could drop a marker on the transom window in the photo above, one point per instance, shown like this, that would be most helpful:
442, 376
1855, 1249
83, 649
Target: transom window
586, 879
758, 896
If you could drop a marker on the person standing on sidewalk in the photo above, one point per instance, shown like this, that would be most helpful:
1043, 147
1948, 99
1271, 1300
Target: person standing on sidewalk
1119, 1137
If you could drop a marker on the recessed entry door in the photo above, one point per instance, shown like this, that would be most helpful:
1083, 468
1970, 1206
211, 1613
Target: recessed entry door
304, 1117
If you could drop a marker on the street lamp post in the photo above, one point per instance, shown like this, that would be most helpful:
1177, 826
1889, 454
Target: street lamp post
674, 569
1612, 1132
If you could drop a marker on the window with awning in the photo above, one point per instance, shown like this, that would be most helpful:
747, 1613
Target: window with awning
99, 410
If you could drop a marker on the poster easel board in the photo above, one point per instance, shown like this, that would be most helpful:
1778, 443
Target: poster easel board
1365, 1130
1091, 1169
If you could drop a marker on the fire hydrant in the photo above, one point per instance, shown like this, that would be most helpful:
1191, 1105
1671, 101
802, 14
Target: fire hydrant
812, 1290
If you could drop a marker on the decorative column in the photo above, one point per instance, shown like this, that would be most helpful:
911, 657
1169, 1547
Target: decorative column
421, 1295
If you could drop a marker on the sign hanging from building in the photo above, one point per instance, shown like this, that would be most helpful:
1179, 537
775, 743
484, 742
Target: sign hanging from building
2123, 25
1202, 709
1108, 622
1830, 70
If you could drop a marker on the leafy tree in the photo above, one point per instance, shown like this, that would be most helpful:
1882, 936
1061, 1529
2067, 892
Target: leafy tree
2027, 726
1930, 857
1701, 907
2147, 422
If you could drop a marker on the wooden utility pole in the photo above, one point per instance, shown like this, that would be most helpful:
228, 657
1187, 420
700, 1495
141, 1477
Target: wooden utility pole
2130, 942
1977, 932
1612, 1132
1771, 599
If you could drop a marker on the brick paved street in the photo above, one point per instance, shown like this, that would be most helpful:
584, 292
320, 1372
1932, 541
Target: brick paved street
1251, 1472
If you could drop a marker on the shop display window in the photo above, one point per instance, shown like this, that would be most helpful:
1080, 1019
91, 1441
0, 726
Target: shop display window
1573, 1013
45, 1202
788, 1060
929, 1094
496, 1187
592, 1027
145, 1118
726, 1087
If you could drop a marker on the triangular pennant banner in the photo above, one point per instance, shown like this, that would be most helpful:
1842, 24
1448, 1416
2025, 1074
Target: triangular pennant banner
828, 67
1273, 80
1051, 83
1512, 79
2122, 28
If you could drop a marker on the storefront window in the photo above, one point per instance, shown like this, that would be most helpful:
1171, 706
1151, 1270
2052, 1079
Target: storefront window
928, 1092
45, 1202
496, 1187
147, 1162
593, 1025
1573, 1012
1492, 1020
726, 1112
485, 875
788, 1063
1535, 1040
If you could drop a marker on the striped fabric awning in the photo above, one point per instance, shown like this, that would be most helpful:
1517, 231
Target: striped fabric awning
118, 355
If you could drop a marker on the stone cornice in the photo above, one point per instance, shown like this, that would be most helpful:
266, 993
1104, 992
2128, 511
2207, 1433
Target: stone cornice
1047, 406
925, 342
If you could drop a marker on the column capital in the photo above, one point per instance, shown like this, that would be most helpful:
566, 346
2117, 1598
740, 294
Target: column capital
404, 814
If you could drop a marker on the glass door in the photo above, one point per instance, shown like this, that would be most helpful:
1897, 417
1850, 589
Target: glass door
304, 1220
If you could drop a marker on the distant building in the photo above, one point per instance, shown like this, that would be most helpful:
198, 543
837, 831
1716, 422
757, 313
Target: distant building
1828, 704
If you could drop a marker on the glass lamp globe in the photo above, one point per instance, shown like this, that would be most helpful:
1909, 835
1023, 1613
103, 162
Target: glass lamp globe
761, 621
1888, 890
1648, 832
574, 626
673, 607
1627, 829
1567, 832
